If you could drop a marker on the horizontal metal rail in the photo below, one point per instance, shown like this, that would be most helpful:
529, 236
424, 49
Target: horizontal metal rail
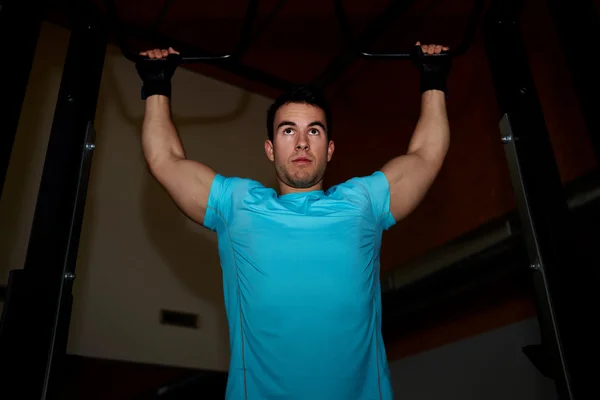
187, 58
407, 55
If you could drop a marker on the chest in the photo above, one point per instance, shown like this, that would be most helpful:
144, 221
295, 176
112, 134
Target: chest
325, 246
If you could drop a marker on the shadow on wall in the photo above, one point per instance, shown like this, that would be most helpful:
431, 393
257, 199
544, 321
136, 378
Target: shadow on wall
167, 227
189, 250
238, 149
240, 107
192, 256
107, 259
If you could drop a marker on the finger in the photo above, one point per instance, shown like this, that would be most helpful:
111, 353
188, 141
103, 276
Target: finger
143, 53
150, 53
430, 49
172, 51
164, 53
446, 48
157, 53
423, 47
438, 49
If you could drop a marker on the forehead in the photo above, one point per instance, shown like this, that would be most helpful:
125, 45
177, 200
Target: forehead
299, 113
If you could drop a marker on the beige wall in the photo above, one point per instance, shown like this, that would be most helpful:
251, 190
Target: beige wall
138, 253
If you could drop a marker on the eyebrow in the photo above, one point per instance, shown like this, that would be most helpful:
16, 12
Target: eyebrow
290, 123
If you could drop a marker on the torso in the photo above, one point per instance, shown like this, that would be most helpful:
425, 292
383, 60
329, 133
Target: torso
301, 277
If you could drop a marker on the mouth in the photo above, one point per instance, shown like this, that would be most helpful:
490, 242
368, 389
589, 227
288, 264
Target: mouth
301, 160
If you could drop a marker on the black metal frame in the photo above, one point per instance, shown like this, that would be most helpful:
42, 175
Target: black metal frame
557, 275
23, 20
39, 296
578, 28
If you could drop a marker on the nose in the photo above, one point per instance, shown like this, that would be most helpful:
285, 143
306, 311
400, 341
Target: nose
302, 143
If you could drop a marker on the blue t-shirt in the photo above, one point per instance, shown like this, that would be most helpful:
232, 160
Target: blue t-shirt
302, 291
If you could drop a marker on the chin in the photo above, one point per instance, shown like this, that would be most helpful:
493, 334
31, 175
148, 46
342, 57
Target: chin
304, 181
299, 177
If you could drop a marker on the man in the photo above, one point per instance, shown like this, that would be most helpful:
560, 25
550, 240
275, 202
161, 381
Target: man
300, 268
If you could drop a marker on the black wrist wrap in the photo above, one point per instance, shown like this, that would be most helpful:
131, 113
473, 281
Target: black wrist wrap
434, 70
156, 75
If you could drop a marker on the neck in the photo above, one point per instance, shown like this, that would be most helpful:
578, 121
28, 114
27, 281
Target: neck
286, 189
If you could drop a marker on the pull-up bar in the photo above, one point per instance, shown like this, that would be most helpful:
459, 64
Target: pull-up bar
460, 50
250, 17
191, 58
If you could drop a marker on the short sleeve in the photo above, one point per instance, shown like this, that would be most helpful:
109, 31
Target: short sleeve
224, 193
377, 189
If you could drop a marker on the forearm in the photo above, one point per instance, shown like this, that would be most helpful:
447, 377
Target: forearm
431, 137
160, 141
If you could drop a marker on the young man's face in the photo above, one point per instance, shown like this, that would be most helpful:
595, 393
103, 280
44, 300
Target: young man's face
300, 148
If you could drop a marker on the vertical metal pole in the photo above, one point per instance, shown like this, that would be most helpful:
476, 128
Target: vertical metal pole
37, 311
578, 27
559, 280
20, 23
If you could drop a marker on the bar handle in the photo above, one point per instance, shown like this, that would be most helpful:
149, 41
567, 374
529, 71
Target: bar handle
184, 59
191, 58
407, 55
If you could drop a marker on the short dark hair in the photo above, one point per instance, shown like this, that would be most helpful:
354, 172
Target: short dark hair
303, 94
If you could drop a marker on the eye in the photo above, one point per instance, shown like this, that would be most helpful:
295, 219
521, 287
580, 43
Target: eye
287, 131
314, 131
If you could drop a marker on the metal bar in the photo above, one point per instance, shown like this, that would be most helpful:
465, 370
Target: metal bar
558, 277
230, 64
185, 58
578, 29
245, 45
22, 20
39, 296
244, 41
358, 45
372, 33
237, 68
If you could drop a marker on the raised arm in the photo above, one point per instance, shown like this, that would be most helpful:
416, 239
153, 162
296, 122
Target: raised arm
411, 175
188, 182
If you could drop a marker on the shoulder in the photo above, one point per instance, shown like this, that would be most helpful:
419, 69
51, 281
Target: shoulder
363, 185
229, 193
230, 185
371, 192
232, 191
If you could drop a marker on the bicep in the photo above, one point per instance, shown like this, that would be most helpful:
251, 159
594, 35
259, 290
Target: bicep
188, 183
410, 177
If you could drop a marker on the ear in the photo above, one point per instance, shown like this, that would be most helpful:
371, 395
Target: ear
330, 150
269, 150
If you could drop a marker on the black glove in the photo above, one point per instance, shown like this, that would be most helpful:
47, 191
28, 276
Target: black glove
433, 69
156, 75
